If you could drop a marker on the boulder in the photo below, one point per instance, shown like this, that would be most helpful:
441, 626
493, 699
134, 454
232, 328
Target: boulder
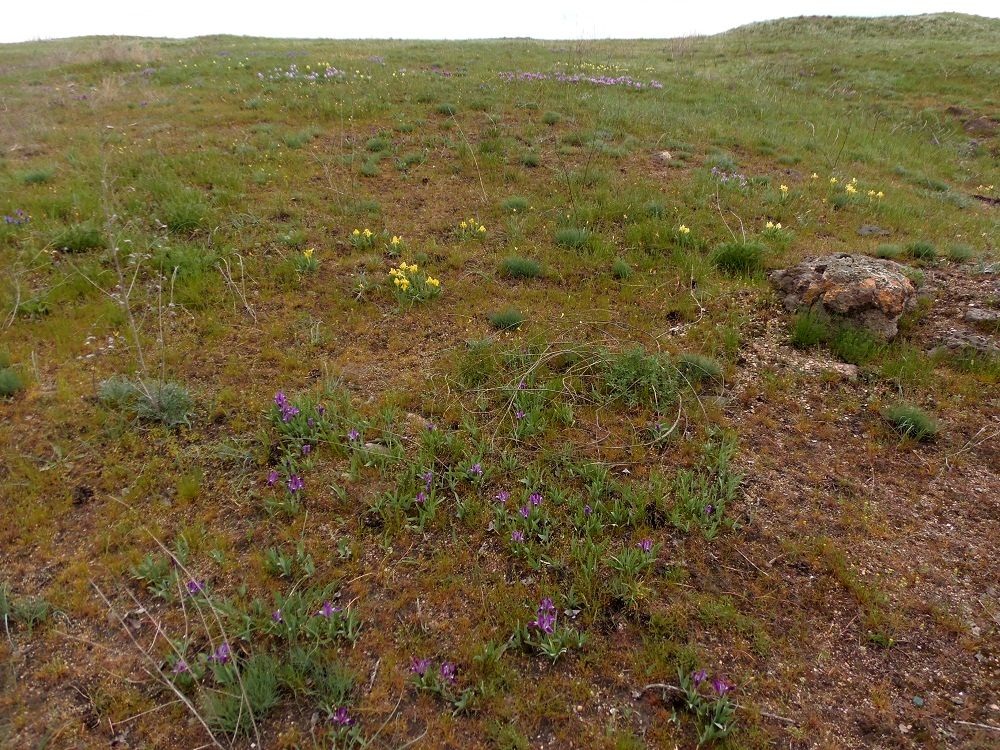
865, 291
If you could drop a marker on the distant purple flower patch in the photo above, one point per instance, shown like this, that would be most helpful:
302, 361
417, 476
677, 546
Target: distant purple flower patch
624, 81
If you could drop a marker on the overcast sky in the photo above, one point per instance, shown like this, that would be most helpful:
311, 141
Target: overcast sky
433, 19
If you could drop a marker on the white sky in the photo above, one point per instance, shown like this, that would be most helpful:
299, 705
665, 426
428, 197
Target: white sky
433, 19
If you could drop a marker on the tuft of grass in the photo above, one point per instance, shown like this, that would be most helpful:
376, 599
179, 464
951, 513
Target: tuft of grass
79, 238
698, 368
888, 252
156, 401
184, 213
446, 108
516, 204
517, 267
637, 378
856, 346
572, 237
808, 330
36, 176
921, 250
370, 168
739, 258
621, 270
10, 382
960, 252
911, 421
530, 159
506, 320
378, 144
551, 118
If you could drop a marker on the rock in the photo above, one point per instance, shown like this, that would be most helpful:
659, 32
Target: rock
832, 370
979, 315
866, 291
664, 157
962, 341
870, 230
981, 126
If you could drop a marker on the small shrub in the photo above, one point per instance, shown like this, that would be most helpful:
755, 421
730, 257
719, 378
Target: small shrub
158, 401
409, 160
888, 252
911, 421
516, 204
378, 144
921, 250
621, 270
10, 382
79, 238
520, 268
638, 378
698, 368
447, 109
551, 118
506, 320
370, 168
808, 330
572, 237
739, 258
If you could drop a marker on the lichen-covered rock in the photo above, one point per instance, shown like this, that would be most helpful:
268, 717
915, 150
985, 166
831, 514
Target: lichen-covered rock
866, 291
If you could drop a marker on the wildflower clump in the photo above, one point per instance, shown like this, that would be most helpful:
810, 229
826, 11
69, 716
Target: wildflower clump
707, 701
362, 239
413, 285
471, 229
307, 262
546, 635
395, 246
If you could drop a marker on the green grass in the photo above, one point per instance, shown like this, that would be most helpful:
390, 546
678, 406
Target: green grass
516, 267
921, 250
572, 237
10, 382
809, 329
79, 238
740, 258
506, 320
888, 251
911, 421
621, 270
516, 204
855, 346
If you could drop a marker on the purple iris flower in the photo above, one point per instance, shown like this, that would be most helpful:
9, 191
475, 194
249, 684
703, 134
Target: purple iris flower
276, 615
421, 497
536, 498
221, 654
525, 511
646, 545
699, 677
272, 478
721, 685
306, 449
195, 587
180, 667
353, 435
419, 666
448, 671
476, 470
519, 414
295, 483
517, 537
587, 510
503, 496
341, 718
327, 610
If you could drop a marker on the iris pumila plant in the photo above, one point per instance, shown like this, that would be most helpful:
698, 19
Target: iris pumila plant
307, 262
528, 526
545, 635
441, 681
363, 239
471, 229
707, 700
413, 285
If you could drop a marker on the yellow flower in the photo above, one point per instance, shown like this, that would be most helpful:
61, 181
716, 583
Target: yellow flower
833, 180
482, 229
368, 232
308, 253
814, 176
871, 193
463, 225
396, 240
783, 188
433, 282
683, 229
394, 272
880, 194
355, 233
778, 225
854, 179
850, 188
769, 225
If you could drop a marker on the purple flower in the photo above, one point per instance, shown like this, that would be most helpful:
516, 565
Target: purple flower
428, 477
517, 537
525, 511
222, 654
721, 685
522, 385
272, 478
327, 610
709, 510
341, 718
321, 410
280, 399
353, 435
545, 617
646, 545
587, 510
195, 587
448, 672
421, 497
295, 483
476, 470
276, 615
419, 666
306, 449
311, 422
503, 496
519, 414
536, 498
699, 677
180, 667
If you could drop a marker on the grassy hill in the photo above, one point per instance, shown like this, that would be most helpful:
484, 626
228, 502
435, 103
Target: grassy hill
418, 394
